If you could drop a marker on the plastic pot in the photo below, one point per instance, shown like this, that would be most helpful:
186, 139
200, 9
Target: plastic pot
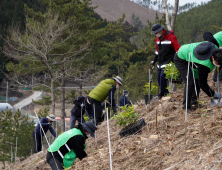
133, 128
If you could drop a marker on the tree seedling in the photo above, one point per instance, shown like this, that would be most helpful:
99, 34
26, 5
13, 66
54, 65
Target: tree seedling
126, 117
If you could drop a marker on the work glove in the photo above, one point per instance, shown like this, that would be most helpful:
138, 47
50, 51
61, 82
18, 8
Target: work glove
50, 124
82, 105
152, 63
104, 112
217, 95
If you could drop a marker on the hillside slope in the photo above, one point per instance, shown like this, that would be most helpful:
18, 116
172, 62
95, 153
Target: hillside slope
202, 149
113, 9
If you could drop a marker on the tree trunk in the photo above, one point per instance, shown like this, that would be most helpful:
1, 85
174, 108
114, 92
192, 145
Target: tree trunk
167, 15
174, 15
63, 114
171, 26
52, 97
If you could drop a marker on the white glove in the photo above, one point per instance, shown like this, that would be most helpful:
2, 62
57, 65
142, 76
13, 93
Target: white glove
152, 63
104, 112
82, 105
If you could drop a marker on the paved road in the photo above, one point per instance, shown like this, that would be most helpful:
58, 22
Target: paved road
35, 96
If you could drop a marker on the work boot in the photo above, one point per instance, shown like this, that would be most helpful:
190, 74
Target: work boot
193, 101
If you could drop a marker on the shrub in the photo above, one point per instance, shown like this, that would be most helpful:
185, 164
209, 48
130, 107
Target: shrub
126, 117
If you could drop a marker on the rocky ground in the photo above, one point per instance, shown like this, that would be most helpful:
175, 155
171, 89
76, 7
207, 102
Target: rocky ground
166, 142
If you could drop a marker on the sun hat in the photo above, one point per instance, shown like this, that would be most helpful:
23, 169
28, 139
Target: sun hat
90, 127
51, 117
118, 79
156, 28
204, 51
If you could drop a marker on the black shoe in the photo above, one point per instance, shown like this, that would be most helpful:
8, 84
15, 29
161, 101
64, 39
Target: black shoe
194, 102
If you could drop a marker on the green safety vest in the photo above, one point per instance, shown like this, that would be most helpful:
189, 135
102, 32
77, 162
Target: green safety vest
218, 37
61, 140
101, 91
188, 50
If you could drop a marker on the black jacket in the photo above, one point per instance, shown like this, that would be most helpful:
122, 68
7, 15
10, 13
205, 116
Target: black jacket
166, 46
76, 110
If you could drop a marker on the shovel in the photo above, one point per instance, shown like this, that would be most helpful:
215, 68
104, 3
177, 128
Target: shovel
215, 102
150, 81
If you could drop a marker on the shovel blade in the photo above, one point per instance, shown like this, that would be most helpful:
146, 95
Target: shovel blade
213, 102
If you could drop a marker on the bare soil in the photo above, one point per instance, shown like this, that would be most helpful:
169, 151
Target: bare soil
171, 143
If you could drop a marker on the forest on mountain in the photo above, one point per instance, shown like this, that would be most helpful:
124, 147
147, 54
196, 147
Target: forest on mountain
192, 24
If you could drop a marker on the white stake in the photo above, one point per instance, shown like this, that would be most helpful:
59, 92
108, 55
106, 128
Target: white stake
193, 76
111, 103
149, 88
110, 151
172, 79
187, 97
95, 124
81, 114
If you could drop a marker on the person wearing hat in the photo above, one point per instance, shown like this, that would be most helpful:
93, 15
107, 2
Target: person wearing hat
203, 58
104, 89
46, 124
217, 40
166, 46
124, 100
79, 110
69, 146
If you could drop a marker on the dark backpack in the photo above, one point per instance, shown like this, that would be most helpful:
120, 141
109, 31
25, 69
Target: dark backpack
76, 111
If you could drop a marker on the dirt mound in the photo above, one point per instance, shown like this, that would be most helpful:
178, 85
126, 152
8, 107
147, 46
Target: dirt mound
164, 145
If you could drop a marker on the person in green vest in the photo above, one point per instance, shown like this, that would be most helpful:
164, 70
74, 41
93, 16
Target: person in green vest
203, 57
69, 146
217, 40
104, 89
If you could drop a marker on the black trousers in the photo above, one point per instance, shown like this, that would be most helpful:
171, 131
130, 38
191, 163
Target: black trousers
182, 66
37, 142
98, 113
53, 162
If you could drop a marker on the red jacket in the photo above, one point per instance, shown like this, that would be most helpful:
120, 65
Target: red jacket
166, 47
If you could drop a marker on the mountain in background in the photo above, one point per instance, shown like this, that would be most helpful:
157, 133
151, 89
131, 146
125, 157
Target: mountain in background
113, 9
191, 25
